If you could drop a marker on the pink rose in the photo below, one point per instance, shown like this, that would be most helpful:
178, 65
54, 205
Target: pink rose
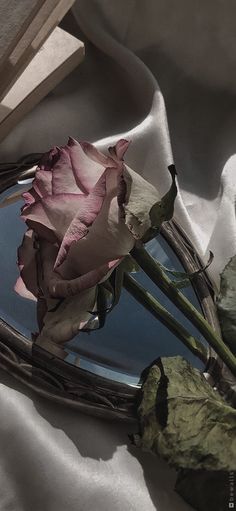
83, 212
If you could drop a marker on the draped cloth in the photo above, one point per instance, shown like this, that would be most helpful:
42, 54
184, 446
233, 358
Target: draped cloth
161, 74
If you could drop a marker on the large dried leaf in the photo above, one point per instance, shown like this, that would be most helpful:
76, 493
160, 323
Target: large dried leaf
226, 304
184, 420
144, 211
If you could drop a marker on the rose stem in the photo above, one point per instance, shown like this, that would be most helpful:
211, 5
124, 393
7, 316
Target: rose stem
159, 312
158, 276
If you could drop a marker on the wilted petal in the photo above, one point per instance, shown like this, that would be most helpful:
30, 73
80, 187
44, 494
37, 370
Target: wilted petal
118, 151
86, 171
36, 215
42, 231
63, 179
88, 209
96, 155
49, 159
46, 258
60, 288
42, 183
29, 197
22, 290
27, 285
72, 314
76, 232
108, 238
55, 212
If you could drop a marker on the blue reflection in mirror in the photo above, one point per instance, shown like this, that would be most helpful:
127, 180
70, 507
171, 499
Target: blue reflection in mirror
131, 338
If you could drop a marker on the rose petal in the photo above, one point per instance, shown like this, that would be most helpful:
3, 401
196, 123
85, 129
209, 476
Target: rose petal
95, 155
60, 288
49, 159
108, 237
29, 197
55, 212
42, 231
22, 290
47, 257
86, 170
63, 179
68, 318
121, 148
42, 183
76, 231
88, 209
27, 285
35, 214
118, 151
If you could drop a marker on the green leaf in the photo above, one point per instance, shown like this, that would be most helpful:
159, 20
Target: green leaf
162, 210
184, 420
226, 304
140, 202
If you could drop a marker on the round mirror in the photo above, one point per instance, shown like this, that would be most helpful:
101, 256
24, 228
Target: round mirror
97, 371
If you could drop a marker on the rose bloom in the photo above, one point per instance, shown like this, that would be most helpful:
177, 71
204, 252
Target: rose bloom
84, 212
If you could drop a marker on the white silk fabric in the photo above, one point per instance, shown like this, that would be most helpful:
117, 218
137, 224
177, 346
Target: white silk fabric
162, 74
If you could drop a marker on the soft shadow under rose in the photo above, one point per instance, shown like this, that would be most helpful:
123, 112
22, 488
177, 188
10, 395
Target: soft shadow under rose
84, 212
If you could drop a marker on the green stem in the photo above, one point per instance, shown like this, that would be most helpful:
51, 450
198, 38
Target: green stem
159, 312
158, 276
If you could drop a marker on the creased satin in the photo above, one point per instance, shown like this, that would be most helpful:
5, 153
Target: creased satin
161, 73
